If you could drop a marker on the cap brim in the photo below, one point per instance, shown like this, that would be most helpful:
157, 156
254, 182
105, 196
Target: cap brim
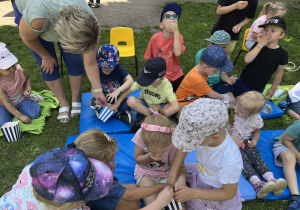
171, 7
228, 66
8, 62
103, 181
144, 81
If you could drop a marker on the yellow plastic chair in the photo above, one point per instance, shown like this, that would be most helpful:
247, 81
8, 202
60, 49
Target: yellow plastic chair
123, 39
244, 49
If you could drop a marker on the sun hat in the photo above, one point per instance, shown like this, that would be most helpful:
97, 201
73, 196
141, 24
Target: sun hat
154, 69
171, 7
275, 21
216, 57
67, 175
7, 59
199, 119
108, 56
220, 37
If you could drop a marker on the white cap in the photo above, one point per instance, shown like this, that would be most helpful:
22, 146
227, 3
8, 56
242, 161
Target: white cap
7, 59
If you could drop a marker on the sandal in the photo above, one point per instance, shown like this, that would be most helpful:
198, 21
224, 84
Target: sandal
90, 4
96, 5
61, 110
77, 111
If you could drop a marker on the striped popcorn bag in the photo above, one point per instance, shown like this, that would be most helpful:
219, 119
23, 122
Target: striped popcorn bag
174, 205
11, 131
105, 114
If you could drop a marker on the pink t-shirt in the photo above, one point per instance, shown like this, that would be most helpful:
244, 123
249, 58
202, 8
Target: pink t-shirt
159, 46
153, 168
14, 89
254, 28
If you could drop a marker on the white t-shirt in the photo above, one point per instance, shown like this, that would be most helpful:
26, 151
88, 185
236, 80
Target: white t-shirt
294, 93
220, 165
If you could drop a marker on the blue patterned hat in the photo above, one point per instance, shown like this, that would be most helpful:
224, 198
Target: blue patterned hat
108, 56
216, 57
220, 37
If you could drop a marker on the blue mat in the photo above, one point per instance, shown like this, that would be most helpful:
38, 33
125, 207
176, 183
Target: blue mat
126, 164
88, 119
276, 111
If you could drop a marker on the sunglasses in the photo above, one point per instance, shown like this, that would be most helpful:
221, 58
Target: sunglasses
168, 16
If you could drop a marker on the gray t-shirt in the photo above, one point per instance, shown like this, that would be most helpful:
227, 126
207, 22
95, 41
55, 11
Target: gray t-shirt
32, 9
294, 132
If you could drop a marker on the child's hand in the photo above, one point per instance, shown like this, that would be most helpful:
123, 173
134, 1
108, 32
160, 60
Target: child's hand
154, 158
231, 80
236, 28
251, 144
25, 119
239, 144
183, 194
263, 39
27, 92
270, 93
241, 5
173, 26
114, 107
113, 97
165, 196
178, 183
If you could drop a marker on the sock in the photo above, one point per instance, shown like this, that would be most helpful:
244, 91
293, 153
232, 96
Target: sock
254, 180
268, 176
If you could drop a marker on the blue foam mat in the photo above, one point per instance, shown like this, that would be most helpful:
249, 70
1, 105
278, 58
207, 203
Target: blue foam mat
126, 164
276, 111
88, 119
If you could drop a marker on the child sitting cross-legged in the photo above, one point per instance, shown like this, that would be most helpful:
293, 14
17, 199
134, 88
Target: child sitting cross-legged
112, 75
154, 152
155, 90
100, 146
248, 122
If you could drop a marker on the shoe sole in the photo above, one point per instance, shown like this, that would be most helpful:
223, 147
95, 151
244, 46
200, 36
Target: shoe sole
280, 186
129, 117
268, 187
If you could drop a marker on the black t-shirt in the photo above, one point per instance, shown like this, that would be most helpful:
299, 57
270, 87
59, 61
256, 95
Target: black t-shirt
258, 73
227, 21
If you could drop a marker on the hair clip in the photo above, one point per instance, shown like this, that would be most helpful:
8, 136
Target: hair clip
154, 112
72, 145
107, 137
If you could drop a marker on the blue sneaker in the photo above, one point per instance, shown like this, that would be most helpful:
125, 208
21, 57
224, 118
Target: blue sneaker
294, 203
283, 105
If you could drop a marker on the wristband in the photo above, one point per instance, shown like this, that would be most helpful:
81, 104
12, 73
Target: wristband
46, 57
97, 90
258, 46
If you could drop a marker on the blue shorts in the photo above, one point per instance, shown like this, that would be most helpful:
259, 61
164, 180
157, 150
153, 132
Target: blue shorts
221, 87
239, 87
73, 62
110, 201
278, 148
293, 106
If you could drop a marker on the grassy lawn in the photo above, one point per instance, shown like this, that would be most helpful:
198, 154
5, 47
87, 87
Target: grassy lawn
195, 25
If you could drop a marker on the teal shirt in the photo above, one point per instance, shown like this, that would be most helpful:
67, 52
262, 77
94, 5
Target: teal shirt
294, 132
48, 9
212, 79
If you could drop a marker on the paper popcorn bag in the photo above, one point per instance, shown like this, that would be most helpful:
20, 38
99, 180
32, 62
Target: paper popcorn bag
11, 131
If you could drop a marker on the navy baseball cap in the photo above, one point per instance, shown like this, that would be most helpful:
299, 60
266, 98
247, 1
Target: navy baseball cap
216, 57
171, 7
108, 56
154, 69
275, 21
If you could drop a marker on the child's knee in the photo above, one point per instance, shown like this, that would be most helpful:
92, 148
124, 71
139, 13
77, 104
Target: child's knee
288, 158
35, 111
131, 101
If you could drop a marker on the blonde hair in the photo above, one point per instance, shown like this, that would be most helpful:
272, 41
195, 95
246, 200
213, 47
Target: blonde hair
50, 205
252, 102
98, 145
79, 30
272, 7
155, 139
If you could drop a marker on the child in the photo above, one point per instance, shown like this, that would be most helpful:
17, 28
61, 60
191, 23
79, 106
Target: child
155, 90
112, 75
98, 145
234, 14
154, 152
269, 10
219, 82
62, 178
248, 122
213, 182
265, 58
194, 85
168, 44
291, 105
15, 91
286, 151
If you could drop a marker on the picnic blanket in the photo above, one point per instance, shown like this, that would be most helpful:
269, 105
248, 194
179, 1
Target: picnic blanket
275, 100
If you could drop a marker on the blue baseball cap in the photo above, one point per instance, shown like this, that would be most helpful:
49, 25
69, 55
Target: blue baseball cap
108, 56
171, 7
216, 57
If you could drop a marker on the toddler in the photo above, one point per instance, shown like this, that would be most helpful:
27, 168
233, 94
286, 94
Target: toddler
213, 181
112, 75
100, 146
62, 178
269, 10
248, 122
154, 152
15, 91
168, 44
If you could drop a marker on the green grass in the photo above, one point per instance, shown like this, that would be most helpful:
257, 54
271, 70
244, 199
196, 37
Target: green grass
195, 25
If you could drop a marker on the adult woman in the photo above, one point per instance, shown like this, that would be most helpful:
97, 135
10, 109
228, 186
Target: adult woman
73, 25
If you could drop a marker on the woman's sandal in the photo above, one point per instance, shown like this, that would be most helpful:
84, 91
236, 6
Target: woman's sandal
96, 5
61, 110
90, 4
77, 111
